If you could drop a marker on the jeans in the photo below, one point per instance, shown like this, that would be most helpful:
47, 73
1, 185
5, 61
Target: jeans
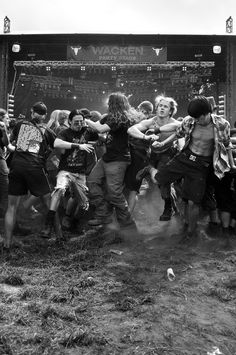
105, 184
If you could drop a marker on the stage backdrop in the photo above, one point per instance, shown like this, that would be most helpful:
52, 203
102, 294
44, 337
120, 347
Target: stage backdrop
128, 54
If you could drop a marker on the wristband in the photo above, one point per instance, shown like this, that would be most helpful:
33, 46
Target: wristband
74, 146
157, 130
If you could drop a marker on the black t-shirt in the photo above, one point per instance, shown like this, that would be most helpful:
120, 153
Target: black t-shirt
75, 160
117, 147
33, 143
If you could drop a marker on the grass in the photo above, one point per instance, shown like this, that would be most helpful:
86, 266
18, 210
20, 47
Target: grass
77, 297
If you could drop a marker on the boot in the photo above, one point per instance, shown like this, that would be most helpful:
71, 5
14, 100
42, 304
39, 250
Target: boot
167, 213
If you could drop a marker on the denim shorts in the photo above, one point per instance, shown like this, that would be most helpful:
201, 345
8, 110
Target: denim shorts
75, 184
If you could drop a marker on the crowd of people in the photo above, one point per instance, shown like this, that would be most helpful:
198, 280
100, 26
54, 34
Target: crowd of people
83, 160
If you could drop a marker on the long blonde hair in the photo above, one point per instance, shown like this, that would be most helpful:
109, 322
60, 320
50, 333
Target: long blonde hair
53, 122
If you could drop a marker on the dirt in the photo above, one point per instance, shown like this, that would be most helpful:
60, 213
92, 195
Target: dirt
96, 295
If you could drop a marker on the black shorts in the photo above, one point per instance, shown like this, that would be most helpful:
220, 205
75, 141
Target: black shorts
192, 168
23, 179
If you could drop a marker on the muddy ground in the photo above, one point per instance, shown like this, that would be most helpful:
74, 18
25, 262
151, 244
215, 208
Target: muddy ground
94, 294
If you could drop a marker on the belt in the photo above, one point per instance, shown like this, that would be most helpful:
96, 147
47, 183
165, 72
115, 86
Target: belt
194, 157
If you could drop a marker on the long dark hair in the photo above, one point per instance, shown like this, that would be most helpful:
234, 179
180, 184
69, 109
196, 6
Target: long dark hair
119, 108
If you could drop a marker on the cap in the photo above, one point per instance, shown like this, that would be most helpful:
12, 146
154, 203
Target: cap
40, 108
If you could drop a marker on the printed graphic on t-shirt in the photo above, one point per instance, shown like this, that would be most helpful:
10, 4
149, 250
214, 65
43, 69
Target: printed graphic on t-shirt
74, 159
29, 139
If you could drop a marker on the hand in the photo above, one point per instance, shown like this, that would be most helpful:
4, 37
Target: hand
156, 144
152, 137
87, 147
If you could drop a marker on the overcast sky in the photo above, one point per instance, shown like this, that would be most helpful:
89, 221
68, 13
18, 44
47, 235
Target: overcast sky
118, 16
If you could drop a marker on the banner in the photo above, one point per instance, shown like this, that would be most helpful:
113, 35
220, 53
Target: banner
126, 54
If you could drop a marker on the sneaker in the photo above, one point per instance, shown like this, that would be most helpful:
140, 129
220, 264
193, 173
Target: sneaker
141, 174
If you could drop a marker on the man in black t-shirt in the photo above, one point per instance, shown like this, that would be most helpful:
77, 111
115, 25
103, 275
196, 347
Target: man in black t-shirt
74, 165
31, 143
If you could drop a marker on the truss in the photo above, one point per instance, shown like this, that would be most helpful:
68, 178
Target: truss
75, 64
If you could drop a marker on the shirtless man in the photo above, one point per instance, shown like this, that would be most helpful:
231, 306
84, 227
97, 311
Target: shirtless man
163, 150
207, 142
